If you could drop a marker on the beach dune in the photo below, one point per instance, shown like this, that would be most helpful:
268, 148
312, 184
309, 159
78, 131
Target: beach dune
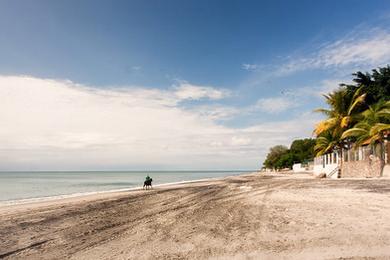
242, 217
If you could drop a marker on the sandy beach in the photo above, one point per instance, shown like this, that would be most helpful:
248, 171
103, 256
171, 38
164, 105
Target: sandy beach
243, 217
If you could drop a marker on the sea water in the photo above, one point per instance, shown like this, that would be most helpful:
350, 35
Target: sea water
17, 187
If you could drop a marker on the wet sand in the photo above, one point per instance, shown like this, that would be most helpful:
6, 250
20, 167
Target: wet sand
243, 217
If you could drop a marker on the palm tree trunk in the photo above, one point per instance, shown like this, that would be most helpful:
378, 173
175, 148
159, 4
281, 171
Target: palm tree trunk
382, 155
340, 163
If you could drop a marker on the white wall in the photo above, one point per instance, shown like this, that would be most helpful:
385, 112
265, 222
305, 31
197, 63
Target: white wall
386, 171
297, 167
326, 164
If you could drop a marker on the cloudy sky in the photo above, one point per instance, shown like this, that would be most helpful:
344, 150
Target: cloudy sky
141, 85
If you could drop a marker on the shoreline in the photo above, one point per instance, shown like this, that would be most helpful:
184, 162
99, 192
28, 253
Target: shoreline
249, 216
86, 195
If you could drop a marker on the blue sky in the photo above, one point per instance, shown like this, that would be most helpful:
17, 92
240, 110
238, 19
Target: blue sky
245, 74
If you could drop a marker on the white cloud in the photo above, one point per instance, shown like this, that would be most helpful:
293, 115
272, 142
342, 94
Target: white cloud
323, 87
374, 51
51, 124
329, 85
216, 112
366, 50
274, 105
250, 67
186, 91
239, 141
136, 68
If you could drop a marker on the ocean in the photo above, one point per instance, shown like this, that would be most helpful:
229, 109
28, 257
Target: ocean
19, 187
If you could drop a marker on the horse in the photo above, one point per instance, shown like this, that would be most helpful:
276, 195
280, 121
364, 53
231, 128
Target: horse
147, 184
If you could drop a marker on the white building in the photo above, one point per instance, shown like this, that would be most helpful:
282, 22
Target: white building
328, 164
365, 161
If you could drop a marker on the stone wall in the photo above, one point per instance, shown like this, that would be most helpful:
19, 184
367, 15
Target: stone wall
371, 167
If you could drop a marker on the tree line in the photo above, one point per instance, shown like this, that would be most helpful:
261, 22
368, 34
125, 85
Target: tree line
280, 156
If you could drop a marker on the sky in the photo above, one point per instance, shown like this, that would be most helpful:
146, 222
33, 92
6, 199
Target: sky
173, 85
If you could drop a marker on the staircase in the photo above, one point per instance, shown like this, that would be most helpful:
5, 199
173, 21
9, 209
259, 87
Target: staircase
333, 172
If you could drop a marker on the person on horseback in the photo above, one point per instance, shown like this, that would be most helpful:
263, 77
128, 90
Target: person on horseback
148, 182
147, 178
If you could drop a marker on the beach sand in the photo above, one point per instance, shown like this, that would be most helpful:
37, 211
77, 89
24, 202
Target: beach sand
243, 217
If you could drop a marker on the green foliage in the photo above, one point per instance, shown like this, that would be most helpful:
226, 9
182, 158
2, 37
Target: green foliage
358, 113
372, 125
303, 149
279, 157
326, 142
342, 111
376, 85
274, 155
285, 161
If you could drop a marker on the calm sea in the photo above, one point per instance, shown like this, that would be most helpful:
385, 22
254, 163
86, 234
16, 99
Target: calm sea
25, 186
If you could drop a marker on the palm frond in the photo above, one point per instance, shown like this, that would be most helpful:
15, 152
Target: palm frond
379, 127
354, 132
356, 101
323, 111
324, 126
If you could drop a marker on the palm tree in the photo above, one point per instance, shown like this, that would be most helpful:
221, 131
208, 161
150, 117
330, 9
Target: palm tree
342, 112
330, 141
375, 84
372, 127
326, 142
341, 115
